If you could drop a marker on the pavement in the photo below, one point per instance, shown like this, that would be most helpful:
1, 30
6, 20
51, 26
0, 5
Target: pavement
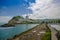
53, 33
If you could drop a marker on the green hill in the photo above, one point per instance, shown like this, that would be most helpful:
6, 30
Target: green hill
18, 20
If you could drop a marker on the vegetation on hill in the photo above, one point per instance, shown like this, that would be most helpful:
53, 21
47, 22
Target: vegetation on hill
15, 17
16, 20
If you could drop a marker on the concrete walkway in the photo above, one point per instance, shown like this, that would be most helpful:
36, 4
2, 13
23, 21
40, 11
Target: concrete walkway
53, 33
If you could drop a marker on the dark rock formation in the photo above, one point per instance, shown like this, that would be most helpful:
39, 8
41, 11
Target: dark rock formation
7, 25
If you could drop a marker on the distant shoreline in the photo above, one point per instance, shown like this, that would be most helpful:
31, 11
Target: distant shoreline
6, 27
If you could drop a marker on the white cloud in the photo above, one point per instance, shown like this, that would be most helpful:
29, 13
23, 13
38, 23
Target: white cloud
5, 18
24, 15
44, 9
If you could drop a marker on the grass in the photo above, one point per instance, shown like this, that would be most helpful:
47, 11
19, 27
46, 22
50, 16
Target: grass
47, 35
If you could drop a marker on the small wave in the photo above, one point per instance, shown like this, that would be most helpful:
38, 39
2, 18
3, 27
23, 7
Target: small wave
6, 27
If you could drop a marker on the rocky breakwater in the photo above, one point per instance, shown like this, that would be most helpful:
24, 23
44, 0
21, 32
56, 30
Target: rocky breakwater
58, 34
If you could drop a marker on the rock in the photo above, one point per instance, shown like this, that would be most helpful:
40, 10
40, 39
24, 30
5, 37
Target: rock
7, 25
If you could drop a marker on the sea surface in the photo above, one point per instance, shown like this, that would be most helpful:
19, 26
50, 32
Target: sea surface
9, 32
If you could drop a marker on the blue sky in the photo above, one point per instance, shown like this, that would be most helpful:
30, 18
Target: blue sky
14, 7
35, 9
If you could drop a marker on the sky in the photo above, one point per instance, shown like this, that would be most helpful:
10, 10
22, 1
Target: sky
35, 9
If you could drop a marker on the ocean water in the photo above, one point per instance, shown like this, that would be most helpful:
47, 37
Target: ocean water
9, 32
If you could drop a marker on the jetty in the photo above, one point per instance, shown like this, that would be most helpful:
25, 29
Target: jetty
39, 32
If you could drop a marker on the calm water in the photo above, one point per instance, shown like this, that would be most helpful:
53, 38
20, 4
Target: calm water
9, 32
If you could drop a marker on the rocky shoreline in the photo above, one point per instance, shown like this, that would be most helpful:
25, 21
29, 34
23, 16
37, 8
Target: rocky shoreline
7, 25
58, 34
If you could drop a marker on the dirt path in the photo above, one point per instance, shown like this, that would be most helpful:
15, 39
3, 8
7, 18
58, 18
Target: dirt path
53, 33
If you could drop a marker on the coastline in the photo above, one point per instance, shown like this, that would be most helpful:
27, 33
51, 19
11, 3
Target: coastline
15, 24
41, 27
